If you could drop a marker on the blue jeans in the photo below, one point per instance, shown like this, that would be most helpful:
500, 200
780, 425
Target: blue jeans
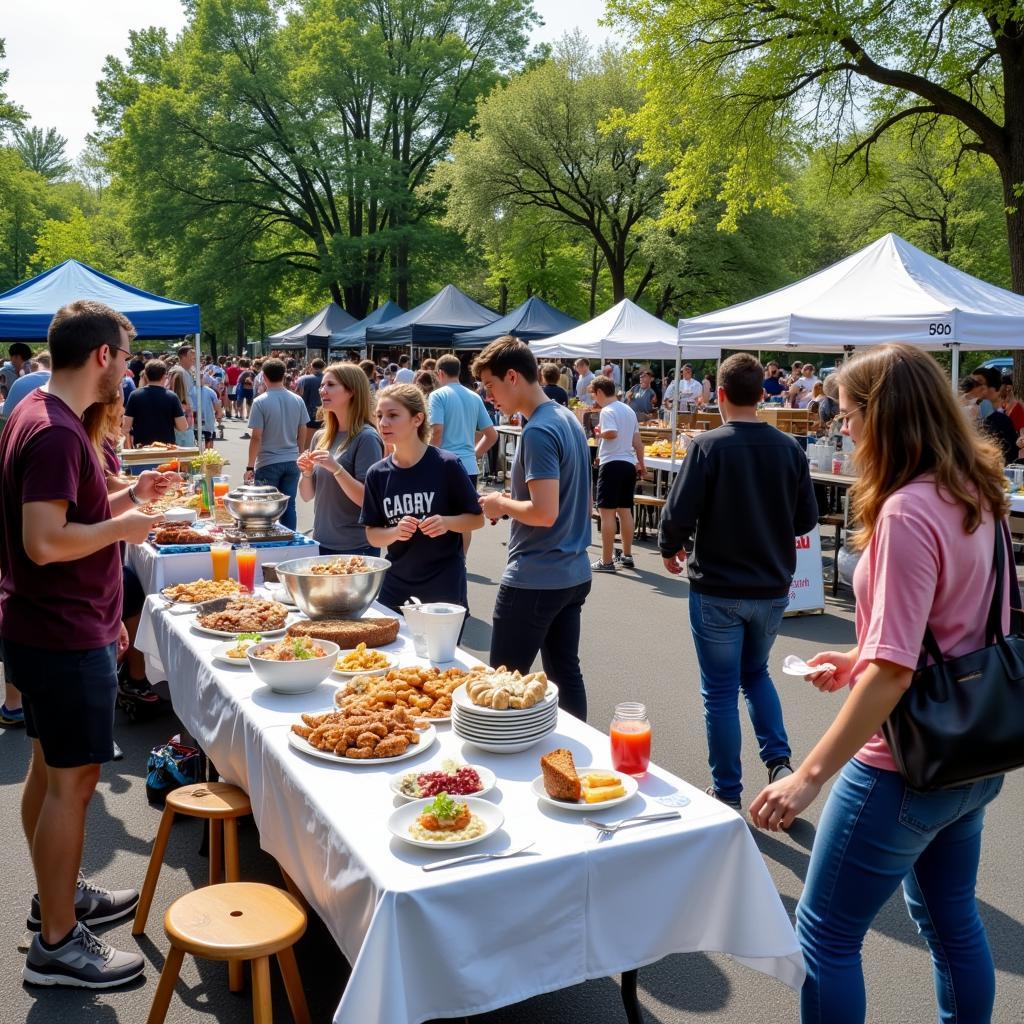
874, 833
733, 636
285, 477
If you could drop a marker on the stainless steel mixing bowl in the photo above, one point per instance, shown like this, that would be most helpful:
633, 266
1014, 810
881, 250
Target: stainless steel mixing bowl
255, 506
332, 597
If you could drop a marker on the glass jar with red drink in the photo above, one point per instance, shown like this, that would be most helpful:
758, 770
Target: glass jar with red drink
631, 739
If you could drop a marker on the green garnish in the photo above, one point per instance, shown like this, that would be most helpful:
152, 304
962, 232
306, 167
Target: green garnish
299, 649
443, 807
249, 636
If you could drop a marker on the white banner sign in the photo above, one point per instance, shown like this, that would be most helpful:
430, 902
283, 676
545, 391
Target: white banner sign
807, 591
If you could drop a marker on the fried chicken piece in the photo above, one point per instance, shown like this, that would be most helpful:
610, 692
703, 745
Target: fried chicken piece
367, 739
361, 753
391, 746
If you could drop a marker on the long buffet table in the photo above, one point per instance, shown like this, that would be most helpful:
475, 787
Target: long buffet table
475, 937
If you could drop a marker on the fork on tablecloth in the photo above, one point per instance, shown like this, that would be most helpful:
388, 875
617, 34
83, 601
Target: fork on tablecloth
611, 827
475, 857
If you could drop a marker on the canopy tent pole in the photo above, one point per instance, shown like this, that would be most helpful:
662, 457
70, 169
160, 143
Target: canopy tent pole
675, 404
955, 373
198, 373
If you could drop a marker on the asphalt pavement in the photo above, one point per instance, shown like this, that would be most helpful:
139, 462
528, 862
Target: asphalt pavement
635, 646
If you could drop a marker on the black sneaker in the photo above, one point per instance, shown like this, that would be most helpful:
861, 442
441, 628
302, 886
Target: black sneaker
626, 561
12, 718
734, 804
779, 771
600, 566
93, 904
84, 961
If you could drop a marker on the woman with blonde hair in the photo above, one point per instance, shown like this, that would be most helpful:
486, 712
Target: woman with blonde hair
418, 501
182, 438
333, 470
928, 500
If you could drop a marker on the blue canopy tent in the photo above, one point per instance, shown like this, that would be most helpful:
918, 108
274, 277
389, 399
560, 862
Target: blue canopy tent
529, 321
354, 336
433, 323
315, 331
27, 309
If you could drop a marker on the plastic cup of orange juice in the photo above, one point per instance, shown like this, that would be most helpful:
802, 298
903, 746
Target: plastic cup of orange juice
220, 558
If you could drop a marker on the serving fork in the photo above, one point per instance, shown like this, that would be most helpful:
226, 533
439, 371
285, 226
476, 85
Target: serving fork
611, 827
475, 857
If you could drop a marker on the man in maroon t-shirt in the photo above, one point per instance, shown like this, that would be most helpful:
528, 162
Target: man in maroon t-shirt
60, 622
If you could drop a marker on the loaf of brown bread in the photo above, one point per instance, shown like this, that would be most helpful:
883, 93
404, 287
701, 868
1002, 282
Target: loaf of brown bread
348, 633
560, 778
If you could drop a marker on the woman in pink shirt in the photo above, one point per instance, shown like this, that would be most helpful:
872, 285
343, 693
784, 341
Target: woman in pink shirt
928, 500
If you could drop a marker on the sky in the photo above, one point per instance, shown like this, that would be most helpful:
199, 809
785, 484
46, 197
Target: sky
56, 49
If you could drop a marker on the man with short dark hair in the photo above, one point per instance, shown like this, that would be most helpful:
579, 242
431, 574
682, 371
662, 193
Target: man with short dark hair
153, 413
584, 379
404, 374
995, 422
277, 422
369, 367
739, 575
642, 398
307, 387
772, 384
547, 578
18, 355
60, 620
620, 458
550, 373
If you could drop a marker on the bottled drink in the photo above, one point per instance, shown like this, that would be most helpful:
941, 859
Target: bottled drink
630, 739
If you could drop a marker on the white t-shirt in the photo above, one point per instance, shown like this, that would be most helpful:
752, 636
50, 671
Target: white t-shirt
620, 418
404, 376
689, 391
806, 387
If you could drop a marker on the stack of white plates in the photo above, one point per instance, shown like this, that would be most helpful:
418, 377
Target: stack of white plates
504, 732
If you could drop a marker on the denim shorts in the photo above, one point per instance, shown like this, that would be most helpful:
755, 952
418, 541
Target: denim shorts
69, 699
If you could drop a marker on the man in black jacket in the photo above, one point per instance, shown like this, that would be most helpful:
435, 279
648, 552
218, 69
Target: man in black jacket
742, 497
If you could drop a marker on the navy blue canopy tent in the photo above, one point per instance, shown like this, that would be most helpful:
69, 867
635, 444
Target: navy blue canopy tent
315, 331
27, 309
354, 336
433, 323
529, 321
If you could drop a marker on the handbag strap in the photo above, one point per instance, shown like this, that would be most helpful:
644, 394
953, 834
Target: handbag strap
994, 620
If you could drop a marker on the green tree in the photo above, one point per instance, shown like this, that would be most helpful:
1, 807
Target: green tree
43, 152
24, 205
11, 115
542, 143
299, 135
747, 85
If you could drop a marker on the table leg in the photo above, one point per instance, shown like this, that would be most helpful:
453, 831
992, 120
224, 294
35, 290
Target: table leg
634, 1015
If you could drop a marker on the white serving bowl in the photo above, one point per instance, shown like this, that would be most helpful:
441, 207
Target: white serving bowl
293, 676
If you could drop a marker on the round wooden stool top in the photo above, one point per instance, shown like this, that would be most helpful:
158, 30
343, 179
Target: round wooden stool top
209, 800
235, 921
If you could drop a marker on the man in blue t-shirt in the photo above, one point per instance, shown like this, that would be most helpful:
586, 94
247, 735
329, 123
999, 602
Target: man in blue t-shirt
459, 422
773, 386
547, 578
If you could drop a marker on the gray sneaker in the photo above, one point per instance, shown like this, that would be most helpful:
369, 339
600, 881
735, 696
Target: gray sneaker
600, 566
736, 805
84, 961
779, 771
93, 904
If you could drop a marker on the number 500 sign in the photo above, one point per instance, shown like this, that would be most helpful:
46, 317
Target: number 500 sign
940, 329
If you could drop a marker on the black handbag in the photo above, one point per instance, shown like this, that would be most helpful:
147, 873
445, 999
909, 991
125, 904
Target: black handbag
962, 719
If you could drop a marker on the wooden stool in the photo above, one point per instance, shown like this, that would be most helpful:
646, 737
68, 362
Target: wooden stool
219, 803
838, 521
236, 921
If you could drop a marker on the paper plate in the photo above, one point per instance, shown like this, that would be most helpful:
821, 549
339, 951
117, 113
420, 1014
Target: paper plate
219, 655
629, 784
400, 821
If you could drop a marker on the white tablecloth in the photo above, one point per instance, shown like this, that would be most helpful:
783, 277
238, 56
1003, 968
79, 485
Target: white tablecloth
473, 938
157, 569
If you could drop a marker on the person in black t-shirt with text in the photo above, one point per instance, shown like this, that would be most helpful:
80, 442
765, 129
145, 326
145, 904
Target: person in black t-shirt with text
417, 502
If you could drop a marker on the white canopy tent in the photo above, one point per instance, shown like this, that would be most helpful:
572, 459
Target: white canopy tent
888, 291
623, 332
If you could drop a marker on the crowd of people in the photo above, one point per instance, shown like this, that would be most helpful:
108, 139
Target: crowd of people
389, 456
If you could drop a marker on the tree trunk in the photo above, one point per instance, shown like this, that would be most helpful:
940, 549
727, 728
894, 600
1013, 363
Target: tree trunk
212, 335
402, 273
336, 295
240, 332
1015, 240
594, 267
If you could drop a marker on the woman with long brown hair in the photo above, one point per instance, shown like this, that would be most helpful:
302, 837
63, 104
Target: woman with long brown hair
334, 469
928, 501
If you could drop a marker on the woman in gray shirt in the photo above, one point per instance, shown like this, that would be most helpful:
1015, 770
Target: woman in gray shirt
334, 469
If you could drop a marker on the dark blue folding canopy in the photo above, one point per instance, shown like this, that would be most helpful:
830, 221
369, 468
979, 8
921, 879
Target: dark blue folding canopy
354, 336
531, 320
315, 331
26, 310
434, 322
